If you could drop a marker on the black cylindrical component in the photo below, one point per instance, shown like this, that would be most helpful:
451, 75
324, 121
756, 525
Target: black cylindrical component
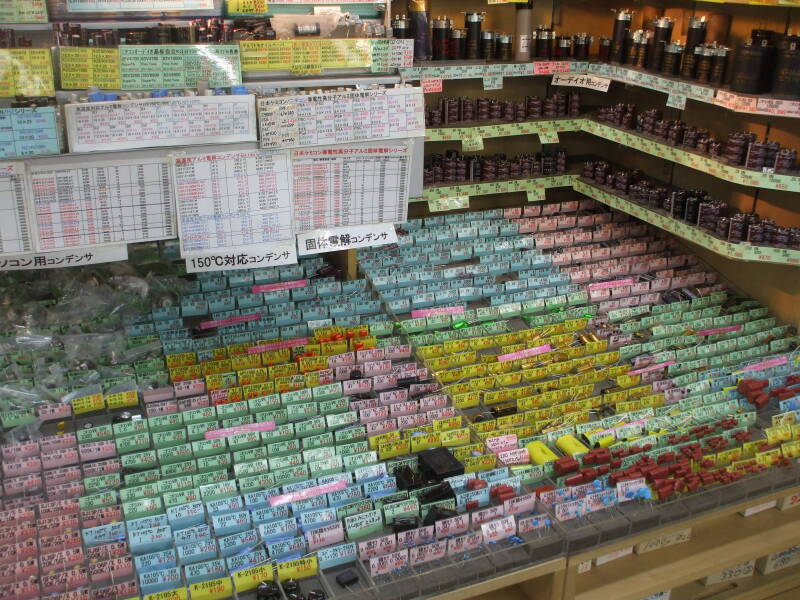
440, 34
487, 45
580, 45
563, 47
704, 58
472, 23
400, 28
787, 68
503, 46
752, 68
604, 51
642, 44
671, 63
544, 43
419, 17
662, 35
457, 48
719, 65
695, 35
622, 24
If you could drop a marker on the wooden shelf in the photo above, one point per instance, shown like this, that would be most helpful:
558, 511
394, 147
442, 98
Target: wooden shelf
717, 543
757, 587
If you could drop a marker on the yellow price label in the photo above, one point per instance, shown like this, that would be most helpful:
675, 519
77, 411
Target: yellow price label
298, 569
215, 589
122, 399
455, 437
249, 579
247, 7
393, 448
376, 440
448, 423
176, 594
88, 404
484, 462
425, 441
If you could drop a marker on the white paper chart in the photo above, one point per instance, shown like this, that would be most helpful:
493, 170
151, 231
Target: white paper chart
152, 122
232, 200
128, 200
337, 187
15, 230
341, 117
137, 5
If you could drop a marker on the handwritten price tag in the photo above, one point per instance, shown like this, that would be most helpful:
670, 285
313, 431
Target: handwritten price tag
431, 86
493, 82
448, 203
470, 143
676, 100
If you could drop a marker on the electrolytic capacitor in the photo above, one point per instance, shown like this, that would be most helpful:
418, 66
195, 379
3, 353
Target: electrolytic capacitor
472, 23
604, 51
457, 46
418, 18
487, 45
695, 35
504, 45
440, 34
622, 24
752, 67
787, 68
580, 45
400, 27
670, 64
662, 35
719, 65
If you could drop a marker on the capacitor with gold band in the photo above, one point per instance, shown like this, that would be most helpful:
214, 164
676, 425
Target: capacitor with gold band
570, 445
540, 453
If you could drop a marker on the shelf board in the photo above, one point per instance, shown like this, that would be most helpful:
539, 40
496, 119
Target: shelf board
535, 186
678, 90
631, 139
504, 581
716, 544
757, 587
745, 252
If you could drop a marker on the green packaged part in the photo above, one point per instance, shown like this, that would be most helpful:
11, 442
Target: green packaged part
255, 483
202, 448
215, 491
102, 482
353, 461
248, 469
333, 406
168, 456
250, 454
234, 409
320, 453
327, 392
326, 466
101, 433
210, 477
283, 448
167, 439
212, 463
291, 474
130, 494
237, 421
165, 422
244, 440
133, 443
147, 507
280, 433
303, 410
296, 396
279, 416
181, 497
200, 415
352, 448
350, 435
197, 431
343, 419
142, 477
184, 467
264, 403
318, 441
100, 500
174, 484
130, 427
310, 427
277, 463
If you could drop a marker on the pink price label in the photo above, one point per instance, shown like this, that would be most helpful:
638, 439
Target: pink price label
494, 531
293, 343
766, 364
527, 353
656, 367
307, 493
606, 285
706, 332
230, 321
381, 565
229, 431
431, 86
501, 443
435, 312
283, 285
550, 67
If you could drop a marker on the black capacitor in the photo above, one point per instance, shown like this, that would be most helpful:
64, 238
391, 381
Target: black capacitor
487, 45
622, 24
544, 43
704, 59
671, 63
580, 45
457, 48
662, 35
642, 44
604, 51
752, 67
503, 45
400, 28
472, 23
563, 47
440, 34
695, 35
787, 68
719, 65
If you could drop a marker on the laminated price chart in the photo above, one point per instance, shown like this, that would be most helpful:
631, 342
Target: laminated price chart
15, 232
341, 117
339, 187
233, 200
102, 203
160, 122
28, 131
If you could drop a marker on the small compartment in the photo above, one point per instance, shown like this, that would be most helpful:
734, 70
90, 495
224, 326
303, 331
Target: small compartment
757, 485
640, 514
783, 477
543, 544
610, 523
580, 535
360, 590
732, 493
673, 511
702, 502
473, 566
306, 585
509, 554
437, 576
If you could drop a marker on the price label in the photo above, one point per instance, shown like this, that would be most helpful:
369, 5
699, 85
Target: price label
431, 86
247, 7
676, 100
499, 529
493, 82
448, 203
472, 142
591, 82
548, 136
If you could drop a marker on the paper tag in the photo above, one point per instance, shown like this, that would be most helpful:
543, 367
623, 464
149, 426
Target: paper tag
676, 100
247, 7
65, 258
548, 136
262, 255
494, 531
345, 238
591, 82
471, 142
448, 203
493, 82
431, 86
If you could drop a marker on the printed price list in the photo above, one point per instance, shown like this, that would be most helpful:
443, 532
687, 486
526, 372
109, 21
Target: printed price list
341, 117
103, 203
83, 67
23, 11
137, 5
26, 72
15, 232
160, 122
233, 199
176, 67
339, 187
28, 131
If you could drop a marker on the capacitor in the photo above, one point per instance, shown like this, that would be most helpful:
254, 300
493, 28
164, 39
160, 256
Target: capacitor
487, 45
503, 45
301, 30
695, 35
472, 23
642, 44
787, 68
752, 67
457, 46
604, 51
400, 28
440, 34
570, 445
622, 24
540, 453
671, 63
544, 43
662, 35
580, 45
719, 65
704, 58
522, 45
418, 17
563, 47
